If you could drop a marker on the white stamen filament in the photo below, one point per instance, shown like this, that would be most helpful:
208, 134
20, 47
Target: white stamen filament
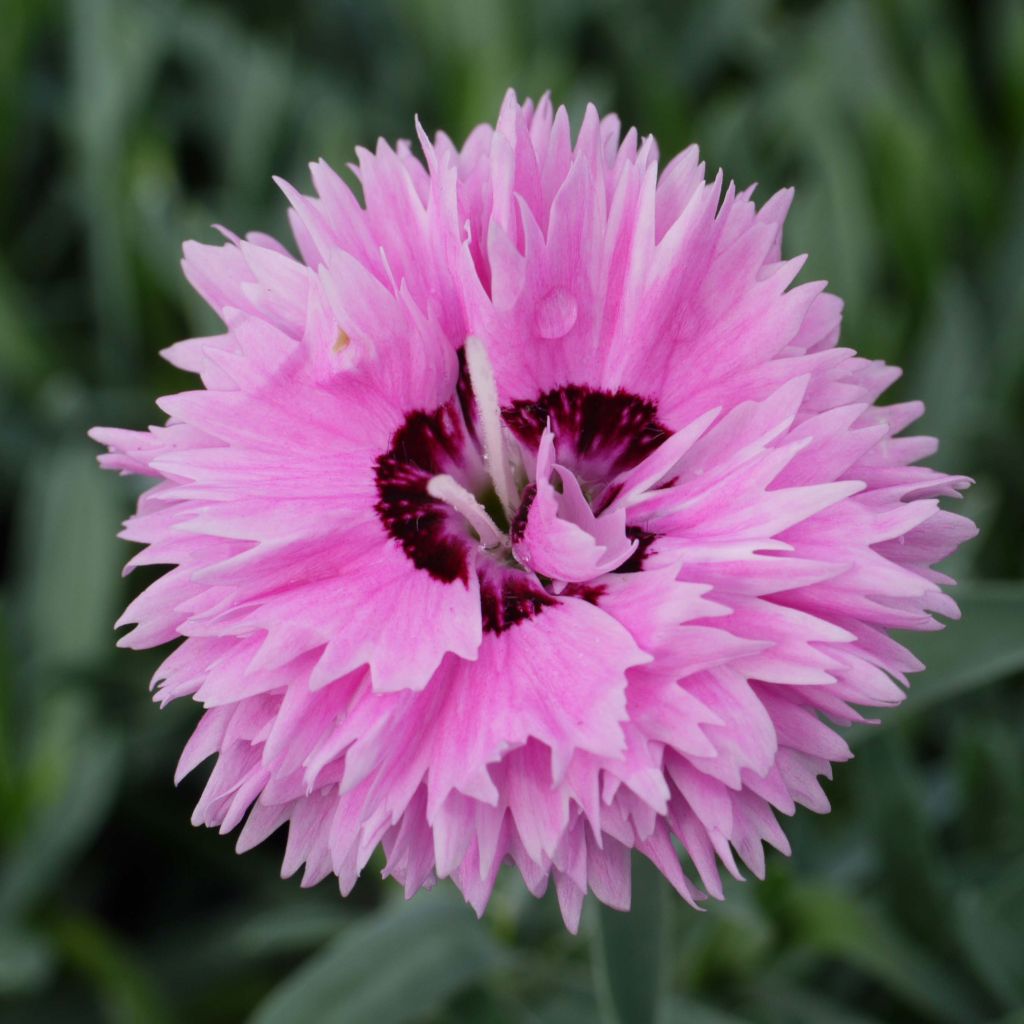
485, 391
445, 488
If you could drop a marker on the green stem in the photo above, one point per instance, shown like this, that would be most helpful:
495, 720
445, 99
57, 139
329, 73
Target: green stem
630, 951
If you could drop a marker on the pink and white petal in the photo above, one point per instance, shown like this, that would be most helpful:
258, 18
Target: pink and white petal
381, 611
558, 678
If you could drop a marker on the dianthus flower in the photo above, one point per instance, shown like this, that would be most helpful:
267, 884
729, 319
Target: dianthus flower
530, 516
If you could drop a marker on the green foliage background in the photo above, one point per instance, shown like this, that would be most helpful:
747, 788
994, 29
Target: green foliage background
129, 125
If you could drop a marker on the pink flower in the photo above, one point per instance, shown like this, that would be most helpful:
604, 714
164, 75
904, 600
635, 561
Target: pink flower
531, 516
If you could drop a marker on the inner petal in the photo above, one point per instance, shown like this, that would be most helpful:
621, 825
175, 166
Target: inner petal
557, 534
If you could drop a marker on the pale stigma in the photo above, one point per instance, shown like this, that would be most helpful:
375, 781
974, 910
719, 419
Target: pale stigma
496, 455
447, 489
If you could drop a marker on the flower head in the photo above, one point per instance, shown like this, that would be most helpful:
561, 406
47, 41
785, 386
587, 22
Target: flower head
530, 516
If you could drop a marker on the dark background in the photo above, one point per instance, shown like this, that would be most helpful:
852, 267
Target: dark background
127, 126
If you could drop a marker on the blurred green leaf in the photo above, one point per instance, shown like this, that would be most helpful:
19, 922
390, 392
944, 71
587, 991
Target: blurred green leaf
243, 940
112, 50
123, 987
899, 805
67, 546
26, 961
284, 929
1004, 295
21, 360
947, 374
732, 941
776, 1002
565, 1009
858, 933
984, 647
58, 832
401, 964
681, 1010
989, 925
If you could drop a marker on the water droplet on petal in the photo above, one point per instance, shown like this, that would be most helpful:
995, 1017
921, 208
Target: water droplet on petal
556, 314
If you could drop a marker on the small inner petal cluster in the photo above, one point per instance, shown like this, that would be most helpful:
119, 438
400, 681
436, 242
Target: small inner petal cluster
529, 515
445, 467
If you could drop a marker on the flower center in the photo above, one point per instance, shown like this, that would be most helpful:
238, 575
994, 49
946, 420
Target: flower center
518, 496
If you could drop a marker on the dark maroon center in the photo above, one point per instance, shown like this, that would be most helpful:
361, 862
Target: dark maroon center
427, 443
599, 435
509, 596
